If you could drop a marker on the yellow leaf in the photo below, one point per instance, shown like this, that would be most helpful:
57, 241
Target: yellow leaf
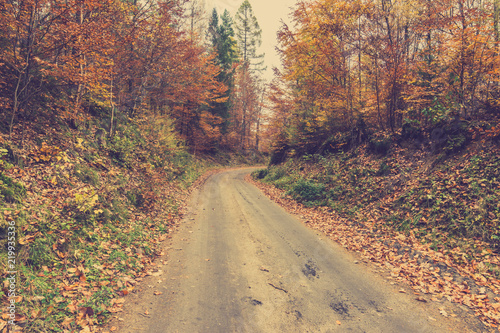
85, 329
26, 240
72, 307
36, 313
67, 321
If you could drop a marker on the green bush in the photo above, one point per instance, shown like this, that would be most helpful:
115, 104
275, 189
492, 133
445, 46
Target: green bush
86, 174
260, 174
120, 148
39, 253
135, 197
307, 191
384, 169
455, 143
274, 173
380, 145
284, 183
9, 190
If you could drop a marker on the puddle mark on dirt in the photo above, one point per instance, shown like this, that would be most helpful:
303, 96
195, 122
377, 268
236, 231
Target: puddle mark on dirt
310, 270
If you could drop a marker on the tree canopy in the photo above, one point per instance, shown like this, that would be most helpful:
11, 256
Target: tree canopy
384, 64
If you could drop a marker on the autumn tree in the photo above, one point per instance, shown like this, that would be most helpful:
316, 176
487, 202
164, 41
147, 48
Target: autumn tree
453, 70
496, 20
55, 52
111, 59
246, 100
386, 63
195, 18
176, 76
317, 59
248, 35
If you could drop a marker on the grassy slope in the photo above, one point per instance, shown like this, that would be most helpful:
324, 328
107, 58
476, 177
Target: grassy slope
457, 196
90, 217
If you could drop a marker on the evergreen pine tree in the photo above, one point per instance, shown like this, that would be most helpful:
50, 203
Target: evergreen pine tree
221, 36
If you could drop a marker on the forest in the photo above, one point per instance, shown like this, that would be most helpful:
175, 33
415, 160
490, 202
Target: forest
392, 103
384, 111
354, 68
95, 64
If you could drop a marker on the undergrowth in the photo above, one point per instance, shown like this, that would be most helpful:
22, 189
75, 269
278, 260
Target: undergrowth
445, 199
89, 214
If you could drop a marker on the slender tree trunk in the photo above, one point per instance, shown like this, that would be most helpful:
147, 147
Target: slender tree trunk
496, 21
24, 78
243, 127
461, 97
15, 105
496, 26
359, 60
350, 95
79, 91
257, 130
112, 104
377, 91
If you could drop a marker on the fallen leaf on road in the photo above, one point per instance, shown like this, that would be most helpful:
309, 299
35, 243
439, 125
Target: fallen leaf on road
160, 272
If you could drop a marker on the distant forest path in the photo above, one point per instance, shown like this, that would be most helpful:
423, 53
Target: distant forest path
240, 263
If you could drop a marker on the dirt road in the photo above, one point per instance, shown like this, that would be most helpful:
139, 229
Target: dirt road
240, 263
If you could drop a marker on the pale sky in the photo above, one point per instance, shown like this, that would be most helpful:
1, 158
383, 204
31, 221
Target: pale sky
269, 14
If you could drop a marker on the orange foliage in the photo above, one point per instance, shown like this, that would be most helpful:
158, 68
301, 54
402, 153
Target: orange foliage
384, 62
68, 57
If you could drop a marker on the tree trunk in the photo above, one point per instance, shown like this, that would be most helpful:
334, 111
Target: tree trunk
111, 128
24, 77
257, 130
377, 91
496, 21
79, 91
